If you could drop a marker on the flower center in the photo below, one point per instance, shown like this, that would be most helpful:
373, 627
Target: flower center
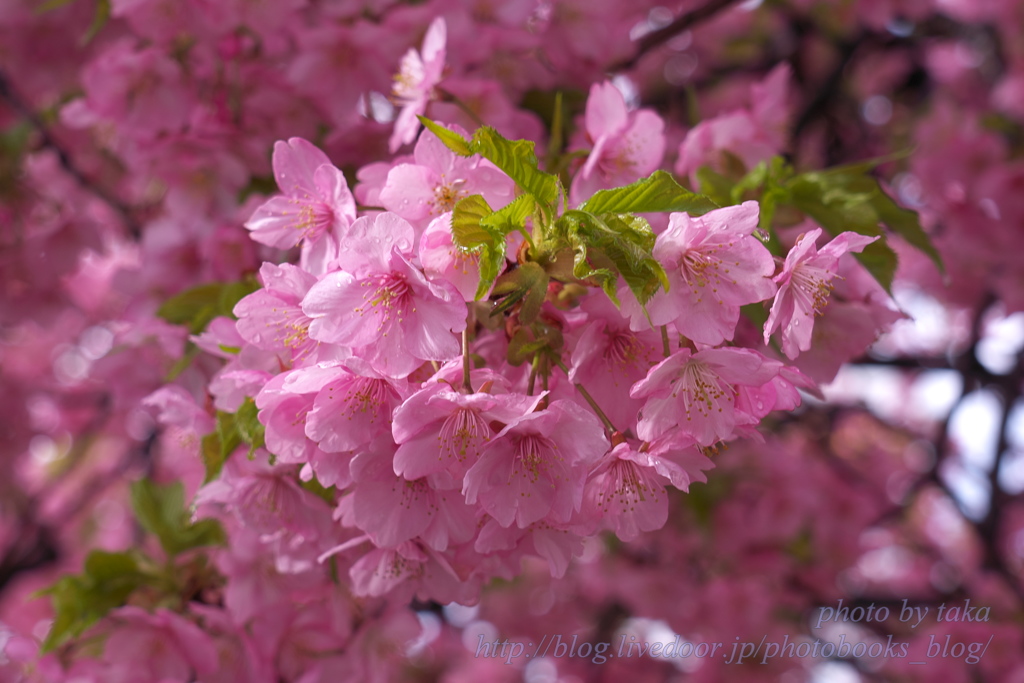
702, 390
529, 456
364, 395
703, 268
314, 218
812, 287
446, 195
389, 295
463, 431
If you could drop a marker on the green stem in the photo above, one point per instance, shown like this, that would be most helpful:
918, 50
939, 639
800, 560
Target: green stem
589, 399
533, 376
466, 383
449, 97
666, 347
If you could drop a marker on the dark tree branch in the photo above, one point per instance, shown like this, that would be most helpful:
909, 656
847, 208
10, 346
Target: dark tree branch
666, 33
23, 109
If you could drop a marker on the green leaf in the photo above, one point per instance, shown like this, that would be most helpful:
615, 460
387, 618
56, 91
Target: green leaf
529, 284
99, 20
450, 138
161, 511
526, 342
906, 224
213, 456
522, 346
250, 429
518, 161
715, 185
880, 260
79, 601
512, 216
467, 222
589, 262
196, 307
233, 429
629, 248
228, 433
326, 493
51, 5
492, 262
658, 192
608, 246
472, 231
836, 203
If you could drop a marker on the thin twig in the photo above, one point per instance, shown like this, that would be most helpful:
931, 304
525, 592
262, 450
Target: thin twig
25, 111
666, 33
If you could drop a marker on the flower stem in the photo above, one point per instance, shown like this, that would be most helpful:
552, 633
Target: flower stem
449, 97
466, 383
589, 399
666, 347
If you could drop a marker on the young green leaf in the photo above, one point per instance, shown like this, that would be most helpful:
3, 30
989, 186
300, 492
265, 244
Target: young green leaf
512, 216
906, 224
657, 192
79, 601
161, 511
196, 307
468, 215
518, 161
527, 283
450, 138
881, 261
249, 427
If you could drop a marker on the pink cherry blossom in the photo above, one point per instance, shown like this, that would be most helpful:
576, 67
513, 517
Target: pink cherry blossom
387, 311
353, 408
714, 265
316, 198
754, 133
271, 318
626, 494
417, 76
393, 510
804, 287
534, 468
696, 393
439, 429
437, 179
442, 258
627, 145
609, 358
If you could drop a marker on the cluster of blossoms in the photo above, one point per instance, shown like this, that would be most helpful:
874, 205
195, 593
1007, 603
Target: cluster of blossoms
451, 461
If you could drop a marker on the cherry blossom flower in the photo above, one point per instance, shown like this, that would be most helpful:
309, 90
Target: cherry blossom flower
753, 134
627, 145
714, 265
437, 178
271, 318
696, 393
392, 509
384, 308
626, 494
439, 429
316, 198
804, 287
608, 358
534, 469
417, 75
